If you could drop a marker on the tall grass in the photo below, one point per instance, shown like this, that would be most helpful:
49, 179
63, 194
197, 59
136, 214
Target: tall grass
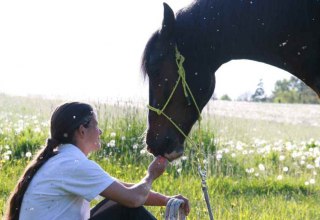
255, 173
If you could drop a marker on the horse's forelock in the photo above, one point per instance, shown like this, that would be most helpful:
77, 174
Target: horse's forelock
146, 53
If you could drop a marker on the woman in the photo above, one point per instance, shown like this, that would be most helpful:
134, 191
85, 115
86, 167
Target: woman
61, 181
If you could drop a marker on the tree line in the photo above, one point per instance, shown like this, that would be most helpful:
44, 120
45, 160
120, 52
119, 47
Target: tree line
290, 90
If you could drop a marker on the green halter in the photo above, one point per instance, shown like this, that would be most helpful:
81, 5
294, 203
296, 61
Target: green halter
186, 90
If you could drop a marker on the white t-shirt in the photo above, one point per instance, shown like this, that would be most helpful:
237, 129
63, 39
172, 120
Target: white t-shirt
64, 186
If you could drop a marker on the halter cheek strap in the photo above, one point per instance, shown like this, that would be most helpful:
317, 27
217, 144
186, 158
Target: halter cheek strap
186, 90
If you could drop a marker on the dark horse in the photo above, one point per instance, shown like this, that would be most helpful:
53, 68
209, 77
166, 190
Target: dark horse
209, 33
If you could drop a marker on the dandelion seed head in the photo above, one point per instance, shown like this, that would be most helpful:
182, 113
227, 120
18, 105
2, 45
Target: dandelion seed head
184, 158
282, 157
219, 156
112, 134
306, 183
28, 154
135, 146
310, 167
112, 143
261, 167
250, 170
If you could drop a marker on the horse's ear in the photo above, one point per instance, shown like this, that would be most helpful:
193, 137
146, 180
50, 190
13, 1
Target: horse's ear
168, 21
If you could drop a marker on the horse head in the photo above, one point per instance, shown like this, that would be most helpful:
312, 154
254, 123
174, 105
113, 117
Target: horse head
172, 110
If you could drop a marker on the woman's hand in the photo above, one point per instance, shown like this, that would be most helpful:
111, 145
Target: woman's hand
157, 167
185, 205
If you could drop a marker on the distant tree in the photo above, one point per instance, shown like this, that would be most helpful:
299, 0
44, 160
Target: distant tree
245, 97
214, 97
259, 95
225, 97
293, 91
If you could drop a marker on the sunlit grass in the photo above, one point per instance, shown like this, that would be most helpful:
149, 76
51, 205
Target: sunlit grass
256, 168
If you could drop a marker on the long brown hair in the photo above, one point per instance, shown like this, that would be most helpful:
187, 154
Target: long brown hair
65, 120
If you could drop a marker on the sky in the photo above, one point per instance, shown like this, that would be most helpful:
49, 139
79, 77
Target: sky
92, 50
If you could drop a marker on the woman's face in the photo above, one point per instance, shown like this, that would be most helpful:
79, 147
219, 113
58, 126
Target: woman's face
93, 133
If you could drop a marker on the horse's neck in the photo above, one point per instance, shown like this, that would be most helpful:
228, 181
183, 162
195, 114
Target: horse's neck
288, 41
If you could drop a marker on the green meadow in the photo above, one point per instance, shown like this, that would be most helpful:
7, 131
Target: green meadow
262, 160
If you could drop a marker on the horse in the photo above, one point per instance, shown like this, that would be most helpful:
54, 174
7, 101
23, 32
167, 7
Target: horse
209, 33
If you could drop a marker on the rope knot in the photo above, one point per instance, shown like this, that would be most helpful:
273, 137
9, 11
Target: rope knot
158, 111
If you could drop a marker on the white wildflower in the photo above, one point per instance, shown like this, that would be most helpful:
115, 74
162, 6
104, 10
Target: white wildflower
306, 183
135, 146
28, 154
245, 152
112, 134
9, 152
184, 158
310, 167
262, 167
317, 162
250, 170
112, 143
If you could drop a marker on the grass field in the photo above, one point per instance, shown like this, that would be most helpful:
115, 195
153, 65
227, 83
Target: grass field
262, 160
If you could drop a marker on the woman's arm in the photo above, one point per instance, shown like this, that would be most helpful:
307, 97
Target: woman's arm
137, 194
133, 196
154, 198
158, 199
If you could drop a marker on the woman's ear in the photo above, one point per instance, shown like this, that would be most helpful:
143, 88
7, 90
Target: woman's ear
80, 131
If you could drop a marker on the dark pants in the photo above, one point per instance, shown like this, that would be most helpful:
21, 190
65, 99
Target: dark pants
108, 209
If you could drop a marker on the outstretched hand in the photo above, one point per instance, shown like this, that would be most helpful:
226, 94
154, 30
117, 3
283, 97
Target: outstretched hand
157, 167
